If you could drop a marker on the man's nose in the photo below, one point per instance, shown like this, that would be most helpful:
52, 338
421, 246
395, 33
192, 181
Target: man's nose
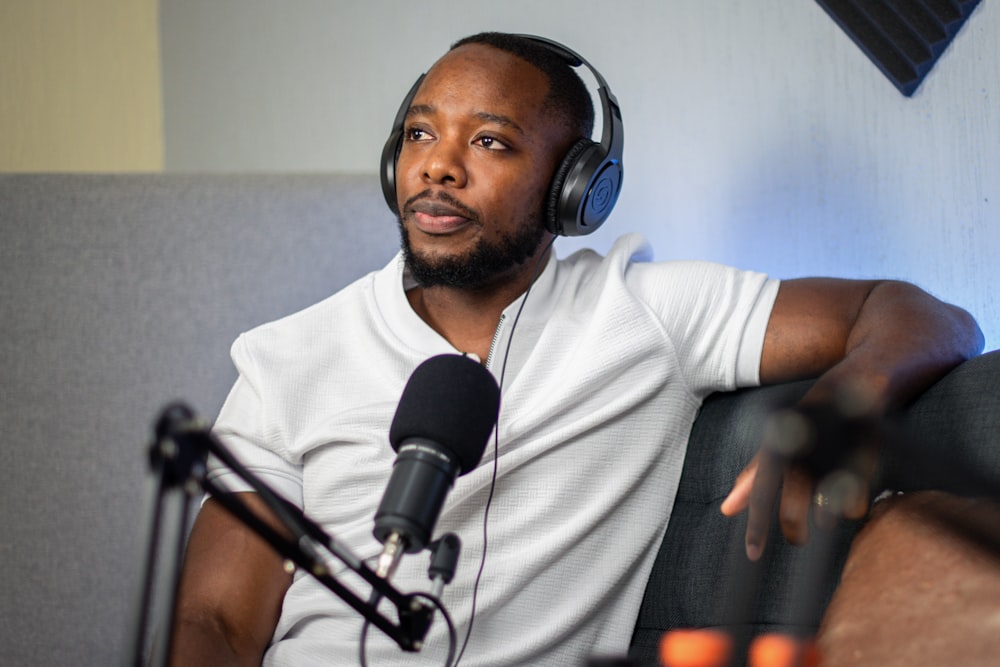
444, 163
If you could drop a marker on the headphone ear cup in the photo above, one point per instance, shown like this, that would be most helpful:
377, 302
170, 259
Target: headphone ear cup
557, 214
390, 153
584, 190
393, 146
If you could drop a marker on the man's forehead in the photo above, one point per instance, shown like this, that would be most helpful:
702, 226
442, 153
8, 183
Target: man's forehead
487, 64
481, 73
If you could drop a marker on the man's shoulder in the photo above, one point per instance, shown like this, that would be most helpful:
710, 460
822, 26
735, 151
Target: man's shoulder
630, 259
343, 308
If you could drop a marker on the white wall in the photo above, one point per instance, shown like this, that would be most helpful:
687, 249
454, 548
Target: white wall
757, 133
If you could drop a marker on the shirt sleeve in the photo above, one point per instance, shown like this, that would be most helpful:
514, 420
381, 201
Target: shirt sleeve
752, 343
243, 428
714, 316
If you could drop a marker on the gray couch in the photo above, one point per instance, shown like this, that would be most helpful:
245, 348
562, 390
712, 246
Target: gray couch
123, 292
948, 439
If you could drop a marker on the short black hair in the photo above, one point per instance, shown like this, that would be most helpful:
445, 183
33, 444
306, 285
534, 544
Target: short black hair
568, 96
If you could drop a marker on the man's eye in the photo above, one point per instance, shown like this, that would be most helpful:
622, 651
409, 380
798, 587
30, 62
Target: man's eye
416, 134
492, 143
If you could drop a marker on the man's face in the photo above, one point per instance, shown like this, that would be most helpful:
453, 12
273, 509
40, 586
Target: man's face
477, 159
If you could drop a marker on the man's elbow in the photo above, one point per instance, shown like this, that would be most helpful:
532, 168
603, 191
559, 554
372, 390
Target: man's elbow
203, 637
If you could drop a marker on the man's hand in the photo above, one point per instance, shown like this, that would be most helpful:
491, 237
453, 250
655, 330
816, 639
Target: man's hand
886, 341
820, 459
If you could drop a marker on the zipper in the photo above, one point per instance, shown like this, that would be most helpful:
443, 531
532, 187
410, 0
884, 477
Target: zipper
496, 339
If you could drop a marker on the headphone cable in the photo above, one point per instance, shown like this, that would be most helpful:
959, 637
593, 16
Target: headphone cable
496, 447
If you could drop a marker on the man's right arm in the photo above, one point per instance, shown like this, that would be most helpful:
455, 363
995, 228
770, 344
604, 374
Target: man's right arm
231, 589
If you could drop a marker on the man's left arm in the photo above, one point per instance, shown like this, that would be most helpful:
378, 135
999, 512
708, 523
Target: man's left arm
887, 340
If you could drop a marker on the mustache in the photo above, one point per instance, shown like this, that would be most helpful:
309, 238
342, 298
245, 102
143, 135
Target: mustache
443, 197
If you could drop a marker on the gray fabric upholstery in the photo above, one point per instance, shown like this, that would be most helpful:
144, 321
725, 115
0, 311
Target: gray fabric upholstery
124, 292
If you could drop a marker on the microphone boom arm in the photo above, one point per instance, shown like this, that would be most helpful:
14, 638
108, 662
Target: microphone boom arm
178, 454
410, 631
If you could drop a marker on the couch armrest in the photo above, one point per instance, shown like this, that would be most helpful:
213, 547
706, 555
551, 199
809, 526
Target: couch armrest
951, 434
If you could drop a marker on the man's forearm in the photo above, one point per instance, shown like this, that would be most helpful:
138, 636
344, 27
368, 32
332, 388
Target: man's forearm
902, 342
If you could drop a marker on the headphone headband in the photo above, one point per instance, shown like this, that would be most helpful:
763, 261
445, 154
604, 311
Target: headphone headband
586, 183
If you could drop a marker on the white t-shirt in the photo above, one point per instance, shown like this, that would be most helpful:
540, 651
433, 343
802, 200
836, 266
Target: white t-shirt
609, 363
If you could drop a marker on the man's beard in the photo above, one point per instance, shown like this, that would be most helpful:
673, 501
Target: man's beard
481, 266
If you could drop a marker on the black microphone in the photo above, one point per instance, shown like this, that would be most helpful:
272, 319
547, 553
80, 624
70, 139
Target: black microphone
442, 424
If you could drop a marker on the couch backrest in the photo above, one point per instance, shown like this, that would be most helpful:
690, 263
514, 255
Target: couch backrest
121, 293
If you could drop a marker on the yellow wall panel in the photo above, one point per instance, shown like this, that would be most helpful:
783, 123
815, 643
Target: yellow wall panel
80, 86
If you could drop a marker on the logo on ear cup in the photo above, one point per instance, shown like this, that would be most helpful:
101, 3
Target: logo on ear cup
603, 195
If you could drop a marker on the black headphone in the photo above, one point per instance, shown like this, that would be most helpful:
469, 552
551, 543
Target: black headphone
587, 181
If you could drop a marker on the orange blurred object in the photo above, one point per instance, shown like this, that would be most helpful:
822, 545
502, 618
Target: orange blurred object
695, 648
811, 657
778, 650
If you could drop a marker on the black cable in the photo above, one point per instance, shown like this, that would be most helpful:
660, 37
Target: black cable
496, 448
373, 600
452, 632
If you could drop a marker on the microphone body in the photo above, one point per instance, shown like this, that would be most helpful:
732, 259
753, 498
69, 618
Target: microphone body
442, 424
422, 476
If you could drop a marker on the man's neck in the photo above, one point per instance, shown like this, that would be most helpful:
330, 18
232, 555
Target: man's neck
468, 318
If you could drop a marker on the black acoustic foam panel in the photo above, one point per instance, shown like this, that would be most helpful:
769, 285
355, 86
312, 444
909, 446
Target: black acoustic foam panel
904, 38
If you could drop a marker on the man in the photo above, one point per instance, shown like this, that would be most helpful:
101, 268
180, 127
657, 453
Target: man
604, 363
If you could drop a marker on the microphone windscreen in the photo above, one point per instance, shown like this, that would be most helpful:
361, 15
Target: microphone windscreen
451, 400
